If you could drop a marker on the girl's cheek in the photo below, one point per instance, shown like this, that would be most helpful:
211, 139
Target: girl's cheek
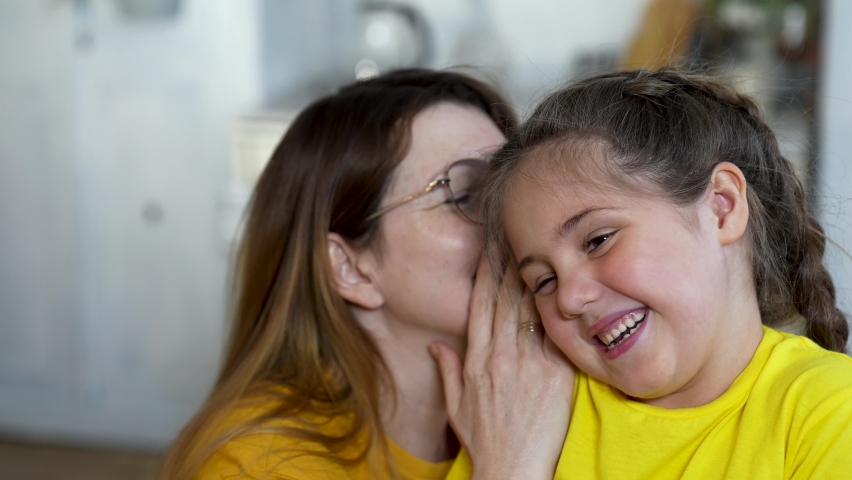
550, 316
541, 308
561, 337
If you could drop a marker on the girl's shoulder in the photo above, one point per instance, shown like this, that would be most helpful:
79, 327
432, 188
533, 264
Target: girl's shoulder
807, 391
798, 368
801, 355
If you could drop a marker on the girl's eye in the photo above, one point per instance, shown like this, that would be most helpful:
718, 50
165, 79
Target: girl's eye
538, 288
596, 242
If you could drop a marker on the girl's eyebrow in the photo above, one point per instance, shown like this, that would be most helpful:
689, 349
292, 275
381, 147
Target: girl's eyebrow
563, 232
572, 222
528, 261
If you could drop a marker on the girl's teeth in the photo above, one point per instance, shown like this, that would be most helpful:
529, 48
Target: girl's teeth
629, 324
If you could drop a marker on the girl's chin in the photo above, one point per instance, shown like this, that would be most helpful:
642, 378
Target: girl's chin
645, 392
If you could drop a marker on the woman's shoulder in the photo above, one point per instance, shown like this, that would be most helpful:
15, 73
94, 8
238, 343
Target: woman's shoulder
270, 456
266, 438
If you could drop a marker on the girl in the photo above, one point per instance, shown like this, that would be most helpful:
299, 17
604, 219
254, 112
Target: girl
360, 248
664, 239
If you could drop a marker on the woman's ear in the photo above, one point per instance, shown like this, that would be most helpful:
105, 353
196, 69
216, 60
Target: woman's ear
729, 202
352, 274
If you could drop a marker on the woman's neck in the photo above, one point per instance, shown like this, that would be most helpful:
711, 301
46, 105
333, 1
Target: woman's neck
418, 423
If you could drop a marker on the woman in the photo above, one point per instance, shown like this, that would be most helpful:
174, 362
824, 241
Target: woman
360, 250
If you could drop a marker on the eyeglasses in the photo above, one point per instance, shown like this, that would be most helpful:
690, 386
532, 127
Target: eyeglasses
463, 179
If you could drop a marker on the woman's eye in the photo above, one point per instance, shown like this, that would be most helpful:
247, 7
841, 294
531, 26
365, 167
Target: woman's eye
596, 242
463, 198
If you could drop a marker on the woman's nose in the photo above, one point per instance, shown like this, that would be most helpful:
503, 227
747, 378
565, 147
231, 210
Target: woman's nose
576, 292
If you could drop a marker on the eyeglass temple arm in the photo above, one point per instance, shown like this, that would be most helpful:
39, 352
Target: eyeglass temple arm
406, 199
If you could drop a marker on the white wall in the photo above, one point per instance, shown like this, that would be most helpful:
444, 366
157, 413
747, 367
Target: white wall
528, 46
835, 147
110, 322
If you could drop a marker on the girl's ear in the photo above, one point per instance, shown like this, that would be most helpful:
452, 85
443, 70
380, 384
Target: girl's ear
729, 202
352, 274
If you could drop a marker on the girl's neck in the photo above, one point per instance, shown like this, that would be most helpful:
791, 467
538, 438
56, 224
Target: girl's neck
740, 331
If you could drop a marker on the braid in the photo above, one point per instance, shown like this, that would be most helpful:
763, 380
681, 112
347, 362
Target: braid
790, 243
814, 293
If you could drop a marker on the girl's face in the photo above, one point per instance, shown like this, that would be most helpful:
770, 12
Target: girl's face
429, 251
634, 290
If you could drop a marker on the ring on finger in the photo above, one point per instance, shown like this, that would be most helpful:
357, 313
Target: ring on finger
530, 327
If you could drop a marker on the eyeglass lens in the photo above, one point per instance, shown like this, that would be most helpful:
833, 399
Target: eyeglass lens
466, 181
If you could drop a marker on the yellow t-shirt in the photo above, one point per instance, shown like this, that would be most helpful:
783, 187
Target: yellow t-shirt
271, 456
788, 415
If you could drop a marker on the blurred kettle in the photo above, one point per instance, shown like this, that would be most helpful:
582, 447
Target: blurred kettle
391, 35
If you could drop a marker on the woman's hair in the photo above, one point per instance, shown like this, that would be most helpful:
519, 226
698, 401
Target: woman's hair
671, 129
290, 327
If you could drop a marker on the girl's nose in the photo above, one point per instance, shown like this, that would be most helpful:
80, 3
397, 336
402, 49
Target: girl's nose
576, 292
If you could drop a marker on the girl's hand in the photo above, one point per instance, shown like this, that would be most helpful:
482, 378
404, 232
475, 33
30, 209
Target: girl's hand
511, 401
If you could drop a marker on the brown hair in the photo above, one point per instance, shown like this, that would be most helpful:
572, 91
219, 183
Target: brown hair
290, 327
672, 128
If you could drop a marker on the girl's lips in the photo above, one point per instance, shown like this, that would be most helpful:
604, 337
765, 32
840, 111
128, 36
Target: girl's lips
608, 322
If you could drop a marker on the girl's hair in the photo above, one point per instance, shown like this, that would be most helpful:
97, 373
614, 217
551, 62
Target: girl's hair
290, 327
672, 128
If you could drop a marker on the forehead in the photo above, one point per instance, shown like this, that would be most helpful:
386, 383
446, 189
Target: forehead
440, 135
573, 173
539, 200
552, 186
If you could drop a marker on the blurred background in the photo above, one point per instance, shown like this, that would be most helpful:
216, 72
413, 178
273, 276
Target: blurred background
132, 131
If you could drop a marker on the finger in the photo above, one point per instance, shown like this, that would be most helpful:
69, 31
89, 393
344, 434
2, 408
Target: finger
508, 308
482, 304
529, 340
450, 367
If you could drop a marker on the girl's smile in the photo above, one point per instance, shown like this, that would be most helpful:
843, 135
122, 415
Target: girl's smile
618, 332
636, 291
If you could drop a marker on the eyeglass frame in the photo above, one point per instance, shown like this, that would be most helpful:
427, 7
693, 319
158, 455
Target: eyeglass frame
427, 189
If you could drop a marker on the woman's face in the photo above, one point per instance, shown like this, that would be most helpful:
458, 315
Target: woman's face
429, 251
